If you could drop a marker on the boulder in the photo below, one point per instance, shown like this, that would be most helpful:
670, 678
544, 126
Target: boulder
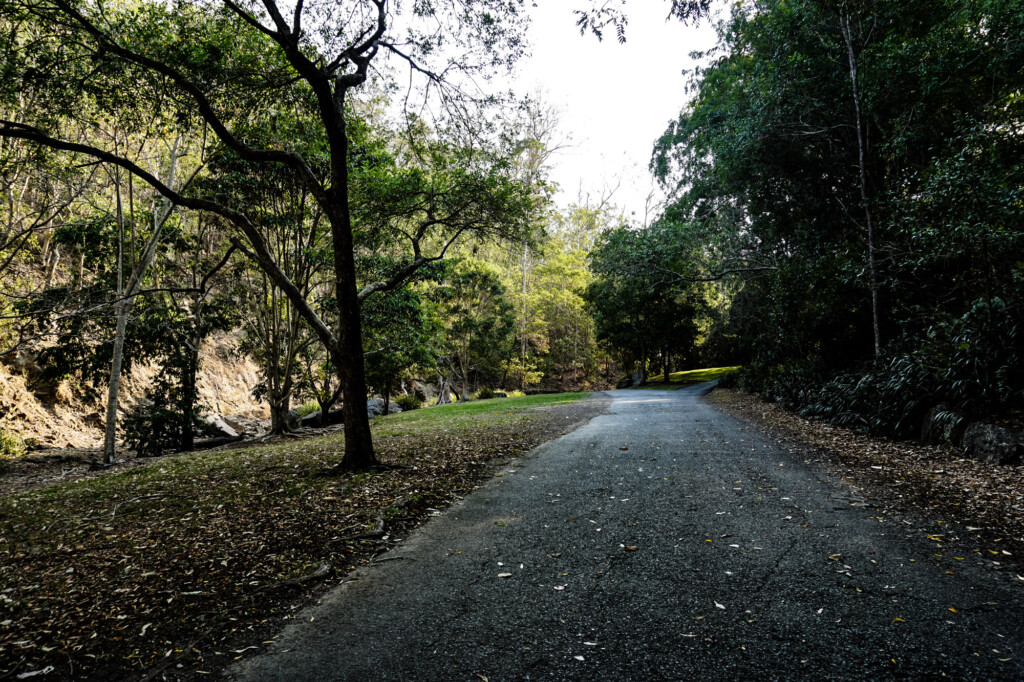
993, 444
221, 427
632, 381
375, 407
312, 420
235, 424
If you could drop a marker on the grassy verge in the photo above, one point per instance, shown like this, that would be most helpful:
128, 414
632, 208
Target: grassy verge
187, 561
693, 376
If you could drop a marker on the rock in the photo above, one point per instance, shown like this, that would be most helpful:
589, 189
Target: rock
312, 420
235, 424
423, 390
942, 426
293, 419
632, 381
222, 428
993, 444
500, 394
375, 407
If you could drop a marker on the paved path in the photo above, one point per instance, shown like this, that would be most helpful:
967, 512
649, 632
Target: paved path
749, 563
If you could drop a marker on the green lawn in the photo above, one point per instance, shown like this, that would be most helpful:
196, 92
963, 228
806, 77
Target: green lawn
693, 376
495, 411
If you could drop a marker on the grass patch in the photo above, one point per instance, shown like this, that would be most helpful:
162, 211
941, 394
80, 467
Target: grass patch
181, 561
693, 376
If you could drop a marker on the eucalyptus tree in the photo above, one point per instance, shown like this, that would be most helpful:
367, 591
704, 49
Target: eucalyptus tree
210, 67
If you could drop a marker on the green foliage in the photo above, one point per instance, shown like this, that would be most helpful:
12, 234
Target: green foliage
641, 308
398, 334
170, 414
766, 167
485, 393
478, 321
306, 408
11, 443
408, 402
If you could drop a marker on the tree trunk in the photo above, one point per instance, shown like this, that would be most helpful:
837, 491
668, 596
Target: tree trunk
124, 306
279, 410
188, 435
114, 386
52, 269
522, 380
872, 269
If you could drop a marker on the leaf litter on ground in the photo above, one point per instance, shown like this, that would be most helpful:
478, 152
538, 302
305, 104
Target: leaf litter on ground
940, 485
189, 559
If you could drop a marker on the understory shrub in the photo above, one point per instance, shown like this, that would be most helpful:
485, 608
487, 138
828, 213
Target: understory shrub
11, 443
408, 402
974, 364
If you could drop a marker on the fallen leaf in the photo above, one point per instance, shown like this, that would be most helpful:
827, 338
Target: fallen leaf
630, 548
624, 447
898, 620
719, 606
504, 575
578, 658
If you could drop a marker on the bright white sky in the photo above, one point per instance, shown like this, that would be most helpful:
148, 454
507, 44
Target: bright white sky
615, 99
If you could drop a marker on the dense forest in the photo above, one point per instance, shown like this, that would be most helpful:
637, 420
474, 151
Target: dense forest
845, 214
850, 176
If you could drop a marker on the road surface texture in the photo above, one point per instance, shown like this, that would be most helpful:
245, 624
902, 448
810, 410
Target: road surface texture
663, 541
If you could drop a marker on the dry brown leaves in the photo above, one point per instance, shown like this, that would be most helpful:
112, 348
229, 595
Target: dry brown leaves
178, 568
984, 501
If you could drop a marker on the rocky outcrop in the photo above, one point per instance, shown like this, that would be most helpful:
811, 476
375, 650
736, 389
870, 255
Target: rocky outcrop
374, 408
993, 444
312, 420
632, 381
424, 390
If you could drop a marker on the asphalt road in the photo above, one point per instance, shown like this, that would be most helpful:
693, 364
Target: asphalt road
749, 562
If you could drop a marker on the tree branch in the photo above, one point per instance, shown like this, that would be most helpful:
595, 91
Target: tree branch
204, 107
260, 253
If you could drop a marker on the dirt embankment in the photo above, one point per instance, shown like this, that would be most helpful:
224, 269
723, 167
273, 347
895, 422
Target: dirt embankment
64, 417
